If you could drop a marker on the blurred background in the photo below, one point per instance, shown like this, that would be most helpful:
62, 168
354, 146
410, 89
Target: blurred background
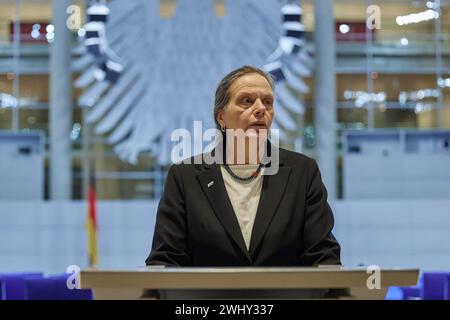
90, 92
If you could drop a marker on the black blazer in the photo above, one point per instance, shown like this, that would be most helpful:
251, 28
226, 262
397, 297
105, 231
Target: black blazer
196, 224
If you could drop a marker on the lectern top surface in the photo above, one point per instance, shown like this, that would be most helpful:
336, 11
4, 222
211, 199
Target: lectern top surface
250, 269
238, 278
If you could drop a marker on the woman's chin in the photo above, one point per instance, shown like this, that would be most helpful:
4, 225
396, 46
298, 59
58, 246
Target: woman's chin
256, 132
252, 133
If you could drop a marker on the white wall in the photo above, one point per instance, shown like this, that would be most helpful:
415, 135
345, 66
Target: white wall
49, 236
404, 233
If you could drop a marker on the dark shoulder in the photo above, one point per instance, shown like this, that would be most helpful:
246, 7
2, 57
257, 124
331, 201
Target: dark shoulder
196, 164
192, 164
295, 159
303, 167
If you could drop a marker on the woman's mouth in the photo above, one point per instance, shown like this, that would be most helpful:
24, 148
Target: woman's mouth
257, 126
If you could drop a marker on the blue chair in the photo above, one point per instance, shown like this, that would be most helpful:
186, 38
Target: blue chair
447, 288
2, 289
40, 289
433, 285
64, 293
403, 293
13, 284
55, 288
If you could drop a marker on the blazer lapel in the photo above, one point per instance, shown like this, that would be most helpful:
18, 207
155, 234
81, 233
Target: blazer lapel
272, 191
212, 184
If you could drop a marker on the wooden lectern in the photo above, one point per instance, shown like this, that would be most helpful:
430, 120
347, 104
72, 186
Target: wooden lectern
238, 283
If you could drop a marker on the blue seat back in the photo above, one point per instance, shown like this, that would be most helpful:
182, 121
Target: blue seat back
65, 293
403, 293
40, 289
13, 284
55, 288
433, 285
447, 288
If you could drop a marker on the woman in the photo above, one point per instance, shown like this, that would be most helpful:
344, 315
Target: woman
232, 215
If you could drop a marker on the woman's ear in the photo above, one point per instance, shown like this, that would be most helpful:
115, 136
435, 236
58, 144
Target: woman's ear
220, 119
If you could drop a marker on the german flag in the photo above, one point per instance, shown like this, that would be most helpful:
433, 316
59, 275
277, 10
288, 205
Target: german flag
91, 222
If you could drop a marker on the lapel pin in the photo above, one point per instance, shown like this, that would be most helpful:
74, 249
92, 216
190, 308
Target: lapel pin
210, 184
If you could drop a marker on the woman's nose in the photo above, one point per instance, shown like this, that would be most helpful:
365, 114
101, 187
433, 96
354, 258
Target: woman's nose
260, 108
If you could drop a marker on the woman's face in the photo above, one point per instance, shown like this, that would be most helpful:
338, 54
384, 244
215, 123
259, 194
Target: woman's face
250, 106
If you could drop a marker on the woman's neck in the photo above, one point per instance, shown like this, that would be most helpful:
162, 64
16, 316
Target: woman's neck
248, 154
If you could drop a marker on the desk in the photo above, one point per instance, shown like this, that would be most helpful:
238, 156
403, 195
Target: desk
197, 282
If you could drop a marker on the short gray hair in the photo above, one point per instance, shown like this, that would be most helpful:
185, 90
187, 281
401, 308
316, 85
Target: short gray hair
222, 97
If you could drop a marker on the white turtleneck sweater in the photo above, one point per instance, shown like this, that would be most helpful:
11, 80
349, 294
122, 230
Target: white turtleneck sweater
244, 196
